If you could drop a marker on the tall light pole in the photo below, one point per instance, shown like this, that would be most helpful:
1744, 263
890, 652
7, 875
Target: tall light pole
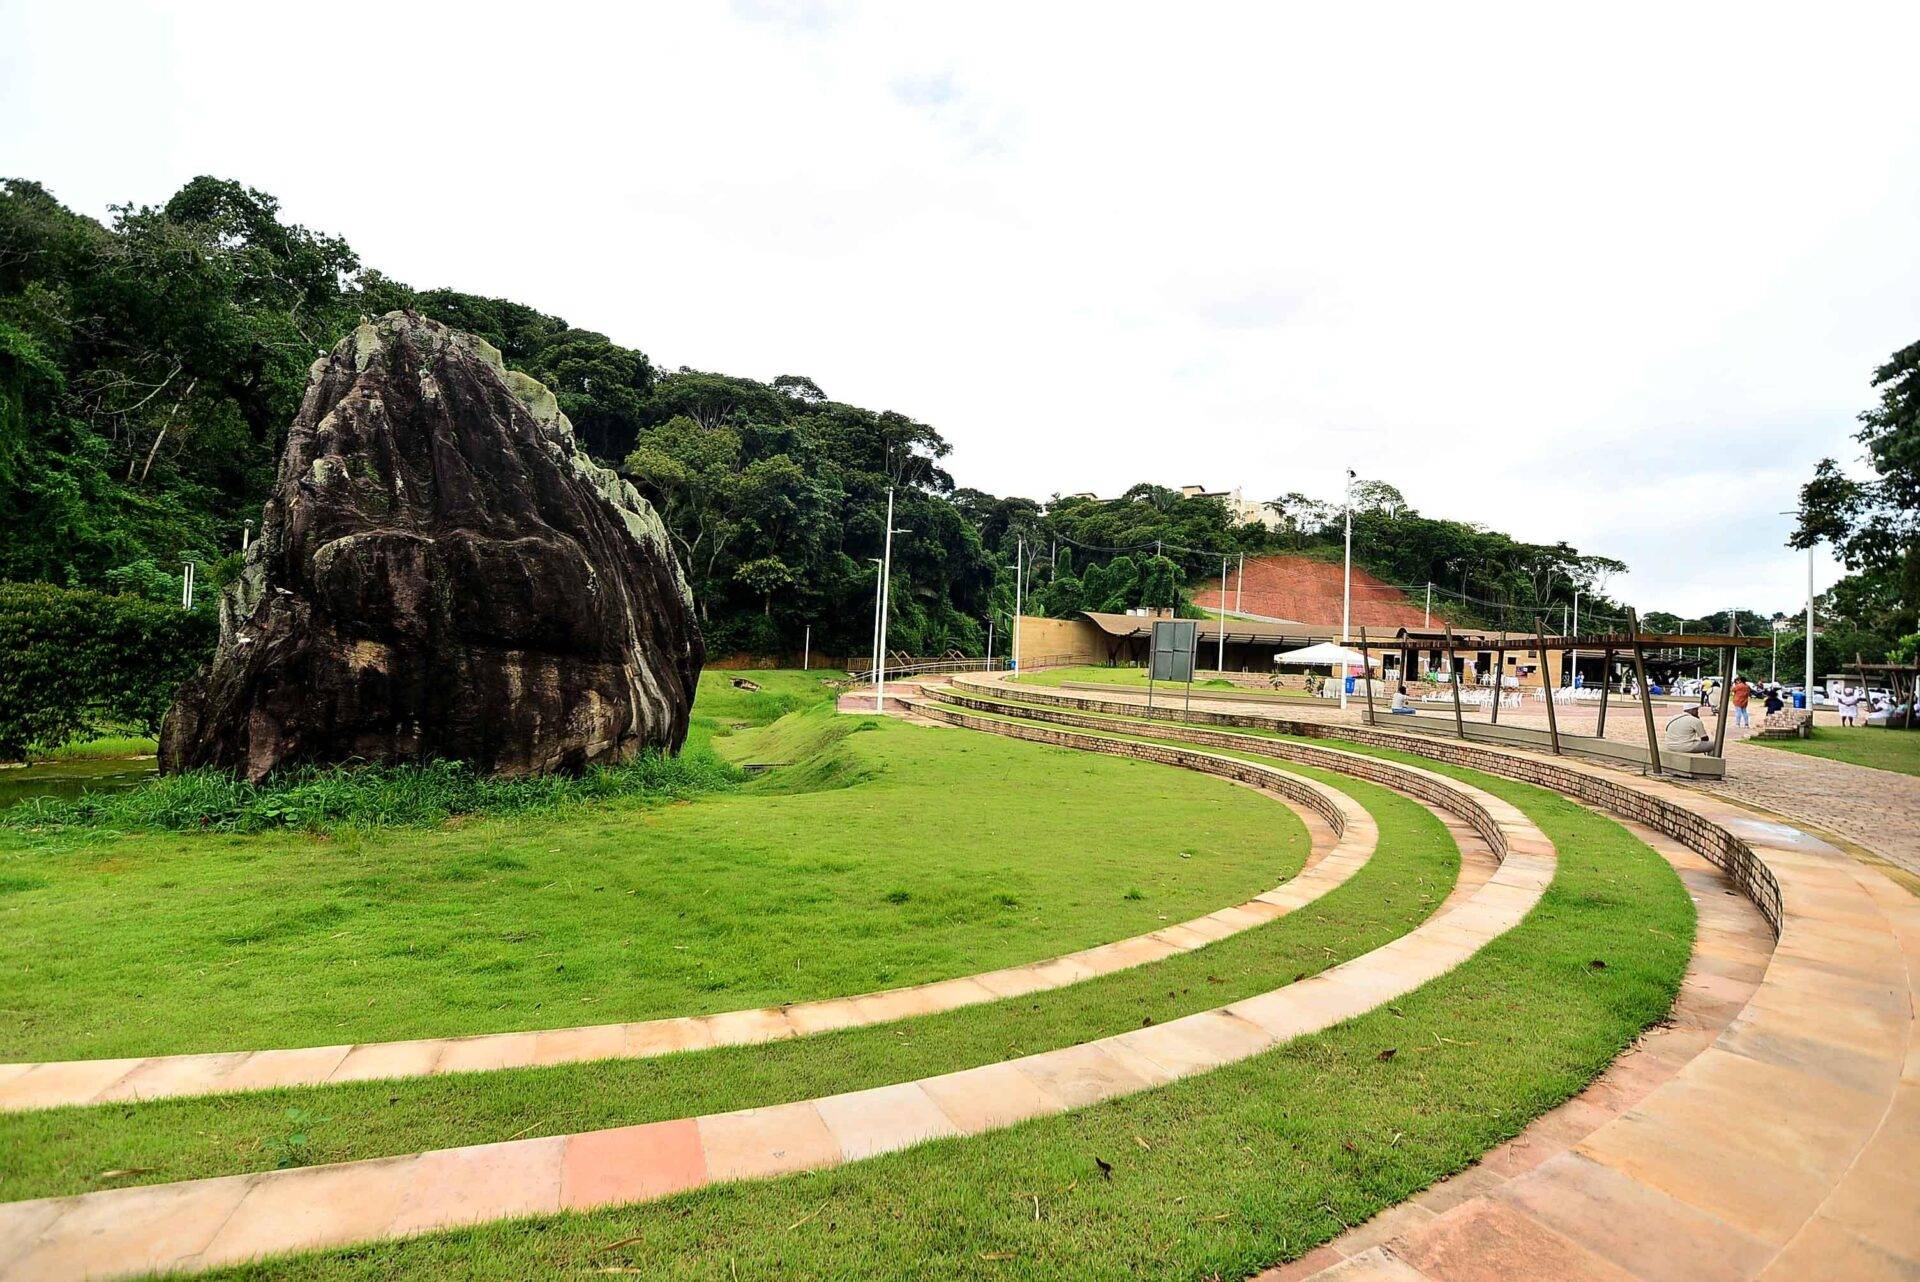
1429, 622
1573, 655
876, 613
1240, 583
1346, 591
1019, 575
886, 599
1220, 662
1806, 679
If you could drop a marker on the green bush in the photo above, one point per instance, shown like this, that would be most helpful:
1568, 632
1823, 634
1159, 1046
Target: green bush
74, 662
316, 799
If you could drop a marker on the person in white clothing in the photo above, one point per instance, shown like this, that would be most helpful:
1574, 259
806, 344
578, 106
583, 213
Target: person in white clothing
1848, 701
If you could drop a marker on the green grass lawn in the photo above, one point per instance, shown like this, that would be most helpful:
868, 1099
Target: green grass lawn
1219, 1174
1137, 677
882, 854
63, 1150
1883, 749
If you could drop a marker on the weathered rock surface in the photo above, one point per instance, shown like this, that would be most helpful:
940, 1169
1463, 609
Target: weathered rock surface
442, 572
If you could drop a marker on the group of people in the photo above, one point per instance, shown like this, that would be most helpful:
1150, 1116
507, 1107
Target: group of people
1687, 733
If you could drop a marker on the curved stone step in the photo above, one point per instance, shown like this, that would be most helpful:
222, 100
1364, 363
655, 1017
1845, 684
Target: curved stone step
1786, 1149
1344, 836
201, 1224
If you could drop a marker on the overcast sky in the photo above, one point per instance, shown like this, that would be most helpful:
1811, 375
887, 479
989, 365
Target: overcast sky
1616, 275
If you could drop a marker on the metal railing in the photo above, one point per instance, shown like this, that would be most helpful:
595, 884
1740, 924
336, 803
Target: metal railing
898, 667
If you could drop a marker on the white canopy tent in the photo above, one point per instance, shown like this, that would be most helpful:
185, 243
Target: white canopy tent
1322, 652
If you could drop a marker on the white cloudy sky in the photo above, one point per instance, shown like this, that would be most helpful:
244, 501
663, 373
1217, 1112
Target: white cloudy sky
1617, 275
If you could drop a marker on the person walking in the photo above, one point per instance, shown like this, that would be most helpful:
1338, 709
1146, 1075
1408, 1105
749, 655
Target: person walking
1742, 696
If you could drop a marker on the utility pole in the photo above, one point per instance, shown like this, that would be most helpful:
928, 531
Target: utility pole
1773, 672
186, 585
1346, 590
1573, 655
1019, 561
989, 643
1806, 680
886, 587
875, 643
1429, 622
246, 534
1220, 663
806, 651
1240, 583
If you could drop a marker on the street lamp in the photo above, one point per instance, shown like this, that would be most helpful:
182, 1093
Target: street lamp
1346, 591
886, 599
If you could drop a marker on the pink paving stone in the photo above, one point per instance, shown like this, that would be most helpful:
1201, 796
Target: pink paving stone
1826, 1249
1014, 981
65, 1082
749, 1027
632, 1164
1881, 1204
1298, 1009
173, 1075
666, 1036
901, 1003
1197, 1043
577, 1045
1374, 1265
1138, 951
311, 1207
993, 1095
481, 1182
1183, 937
1636, 1226
758, 1142
1485, 1241
10, 1071
1764, 1198
826, 1016
1080, 1075
376, 1060
485, 1053
884, 1119
298, 1066
21, 1224
140, 1229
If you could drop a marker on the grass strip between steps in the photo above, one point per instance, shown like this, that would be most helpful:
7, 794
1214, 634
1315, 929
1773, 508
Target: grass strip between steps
1216, 1175
66, 1150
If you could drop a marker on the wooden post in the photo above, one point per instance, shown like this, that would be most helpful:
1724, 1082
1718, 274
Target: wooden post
1366, 671
1499, 677
1546, 686
1606, 688
1646, 699
1726, 702
1459, 722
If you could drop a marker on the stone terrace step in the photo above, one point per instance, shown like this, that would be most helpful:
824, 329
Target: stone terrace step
1344, 837
1790, 1148
207, 1223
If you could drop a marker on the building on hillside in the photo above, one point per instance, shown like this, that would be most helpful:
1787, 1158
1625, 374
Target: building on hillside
1242, 510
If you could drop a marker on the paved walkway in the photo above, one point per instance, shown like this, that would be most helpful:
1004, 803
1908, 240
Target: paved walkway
1788, 1148
207, 1223
1877, 810
1343, 838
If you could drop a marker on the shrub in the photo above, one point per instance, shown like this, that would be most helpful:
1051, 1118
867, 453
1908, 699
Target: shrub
73, 661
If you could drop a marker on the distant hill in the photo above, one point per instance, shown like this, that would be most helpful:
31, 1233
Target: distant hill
1302, 589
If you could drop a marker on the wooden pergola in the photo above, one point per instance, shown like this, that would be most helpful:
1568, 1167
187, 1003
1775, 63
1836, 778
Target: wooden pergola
1633, 643
1903, 679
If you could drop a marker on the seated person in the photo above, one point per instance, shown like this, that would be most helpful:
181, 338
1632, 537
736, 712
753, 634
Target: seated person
1400, 707
1687, 733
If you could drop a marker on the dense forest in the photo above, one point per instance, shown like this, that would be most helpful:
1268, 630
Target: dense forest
150, 366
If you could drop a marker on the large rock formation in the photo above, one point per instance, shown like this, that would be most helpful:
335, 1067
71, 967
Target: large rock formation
441, 572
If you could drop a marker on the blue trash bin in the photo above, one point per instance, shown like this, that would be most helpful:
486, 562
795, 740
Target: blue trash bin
1800, 699
1350, 685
